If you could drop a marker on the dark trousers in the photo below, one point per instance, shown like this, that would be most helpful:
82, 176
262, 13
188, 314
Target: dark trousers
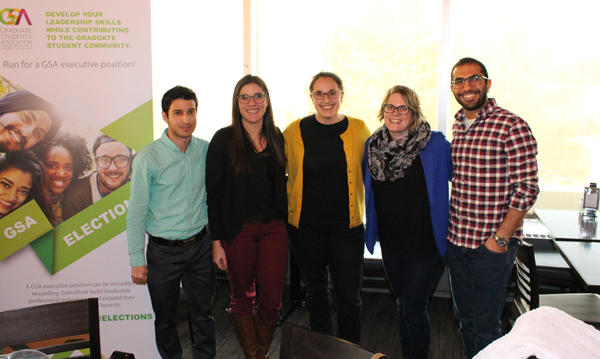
192, 267
257, 255
412, 282
318, 250
478, 279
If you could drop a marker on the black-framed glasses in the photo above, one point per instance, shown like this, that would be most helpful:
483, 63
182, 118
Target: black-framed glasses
120, 161
475, 80
332, 94
402, 109
258, 97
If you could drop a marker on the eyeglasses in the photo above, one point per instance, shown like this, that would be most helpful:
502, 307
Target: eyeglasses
258, 97
475, 80
105, 161
402, 109
332, 94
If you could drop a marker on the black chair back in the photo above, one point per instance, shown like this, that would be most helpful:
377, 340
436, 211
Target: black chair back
526, 296
583, 306
52, 321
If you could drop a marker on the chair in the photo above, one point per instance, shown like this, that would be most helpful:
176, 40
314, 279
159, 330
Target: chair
53, 321
300, 343
583, 306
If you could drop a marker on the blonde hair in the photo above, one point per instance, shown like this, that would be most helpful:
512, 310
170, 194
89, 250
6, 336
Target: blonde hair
412, 101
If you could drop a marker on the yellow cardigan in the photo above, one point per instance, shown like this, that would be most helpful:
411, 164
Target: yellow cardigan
354, 139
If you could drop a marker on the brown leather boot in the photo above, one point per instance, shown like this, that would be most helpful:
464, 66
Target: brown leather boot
246, 333
264, 333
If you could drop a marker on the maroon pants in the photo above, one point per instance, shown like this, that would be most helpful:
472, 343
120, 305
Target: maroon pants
257, 257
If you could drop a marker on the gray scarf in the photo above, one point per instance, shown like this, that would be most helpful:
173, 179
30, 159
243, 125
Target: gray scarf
389, 159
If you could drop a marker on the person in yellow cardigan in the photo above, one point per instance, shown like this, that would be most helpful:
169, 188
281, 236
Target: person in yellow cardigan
325, 206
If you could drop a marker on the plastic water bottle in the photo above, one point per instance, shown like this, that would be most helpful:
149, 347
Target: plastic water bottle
590, 200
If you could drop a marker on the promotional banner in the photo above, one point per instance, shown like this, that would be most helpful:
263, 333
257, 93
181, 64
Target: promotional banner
75, 106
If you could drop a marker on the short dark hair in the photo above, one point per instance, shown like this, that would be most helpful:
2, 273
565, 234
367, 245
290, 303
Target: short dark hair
469, 60
330, 75
102, 139
177, 92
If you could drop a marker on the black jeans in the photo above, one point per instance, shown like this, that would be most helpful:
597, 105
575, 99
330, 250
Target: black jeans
412, 282
192, 267
319, 251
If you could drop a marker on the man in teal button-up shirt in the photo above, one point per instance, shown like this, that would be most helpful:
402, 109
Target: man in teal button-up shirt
168, 201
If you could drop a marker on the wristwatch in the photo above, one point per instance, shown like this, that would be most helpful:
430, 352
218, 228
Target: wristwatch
501, 241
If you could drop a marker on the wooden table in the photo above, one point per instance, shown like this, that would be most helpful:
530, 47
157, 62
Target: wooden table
584, 260
569, 225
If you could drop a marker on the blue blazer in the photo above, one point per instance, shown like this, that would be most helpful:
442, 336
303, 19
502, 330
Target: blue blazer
437, 165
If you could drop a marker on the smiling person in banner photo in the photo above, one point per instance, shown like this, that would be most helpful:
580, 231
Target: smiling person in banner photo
113, 162
21, 177
26, 121
66, 159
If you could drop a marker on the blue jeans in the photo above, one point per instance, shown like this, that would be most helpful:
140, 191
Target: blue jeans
412, 282
478, 279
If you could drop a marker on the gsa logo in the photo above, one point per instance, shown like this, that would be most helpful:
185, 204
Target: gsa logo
13, 16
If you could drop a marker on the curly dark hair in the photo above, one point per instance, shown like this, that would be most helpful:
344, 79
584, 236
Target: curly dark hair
82, 160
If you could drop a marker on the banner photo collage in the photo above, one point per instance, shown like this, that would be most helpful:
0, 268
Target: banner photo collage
75, 107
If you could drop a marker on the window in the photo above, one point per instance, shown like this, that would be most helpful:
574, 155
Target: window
200, 47
371, 45
539, 58
543, 70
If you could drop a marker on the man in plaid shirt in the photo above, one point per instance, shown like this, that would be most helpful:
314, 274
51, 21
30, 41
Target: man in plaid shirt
493, 185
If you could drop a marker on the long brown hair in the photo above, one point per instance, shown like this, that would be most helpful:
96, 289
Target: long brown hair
238, 145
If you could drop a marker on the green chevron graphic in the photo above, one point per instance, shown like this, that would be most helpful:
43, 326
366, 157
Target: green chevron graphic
44, 248
103, 220
22, 226
134, 129
90, 228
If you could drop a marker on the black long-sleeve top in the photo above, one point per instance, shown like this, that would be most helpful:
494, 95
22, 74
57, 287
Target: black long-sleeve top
256, 194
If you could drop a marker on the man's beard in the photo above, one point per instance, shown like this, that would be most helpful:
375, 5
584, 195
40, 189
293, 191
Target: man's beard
478, 104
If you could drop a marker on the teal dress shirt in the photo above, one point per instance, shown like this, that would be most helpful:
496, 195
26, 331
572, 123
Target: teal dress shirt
168, 194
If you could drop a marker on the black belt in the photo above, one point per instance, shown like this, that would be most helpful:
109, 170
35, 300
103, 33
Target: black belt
179, 242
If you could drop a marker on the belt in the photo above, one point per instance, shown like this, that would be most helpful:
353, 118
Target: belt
179, 242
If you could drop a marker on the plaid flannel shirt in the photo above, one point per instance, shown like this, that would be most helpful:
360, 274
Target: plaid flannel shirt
495, 168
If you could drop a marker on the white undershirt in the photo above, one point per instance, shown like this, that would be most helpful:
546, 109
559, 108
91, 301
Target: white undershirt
469, 122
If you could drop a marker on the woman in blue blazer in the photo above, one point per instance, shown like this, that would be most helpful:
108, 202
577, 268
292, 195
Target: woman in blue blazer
406, 169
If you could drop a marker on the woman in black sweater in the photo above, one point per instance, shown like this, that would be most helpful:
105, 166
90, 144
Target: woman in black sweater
247, 207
